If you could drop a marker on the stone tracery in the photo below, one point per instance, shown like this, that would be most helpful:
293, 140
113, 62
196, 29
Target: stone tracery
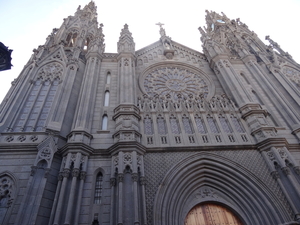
175, 82
293, 75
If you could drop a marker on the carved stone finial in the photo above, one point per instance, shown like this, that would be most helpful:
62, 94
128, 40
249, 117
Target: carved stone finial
126, 43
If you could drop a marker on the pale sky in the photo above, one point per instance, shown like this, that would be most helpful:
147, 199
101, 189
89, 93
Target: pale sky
25, 24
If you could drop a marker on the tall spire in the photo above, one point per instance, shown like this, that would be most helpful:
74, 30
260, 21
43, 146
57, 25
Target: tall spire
126, 43
89, 12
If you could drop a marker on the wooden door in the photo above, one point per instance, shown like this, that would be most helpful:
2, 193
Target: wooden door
211, 214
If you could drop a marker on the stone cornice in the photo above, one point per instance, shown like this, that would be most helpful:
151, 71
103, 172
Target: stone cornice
76, 147
127, 146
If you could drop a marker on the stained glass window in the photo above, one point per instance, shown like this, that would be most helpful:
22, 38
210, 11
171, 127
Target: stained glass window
212, 124
225, 125
98, 188
200, 125
187, 125
148, 125
174, 125
161, 125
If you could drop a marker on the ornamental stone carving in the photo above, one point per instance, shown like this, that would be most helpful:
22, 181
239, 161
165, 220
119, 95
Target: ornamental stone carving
45, 153
6, 191
293, 75
50, 71
112, 182
134, 177
66, 172
82, 175
127, 158
206, 192
175, 82
120, 177
75, 172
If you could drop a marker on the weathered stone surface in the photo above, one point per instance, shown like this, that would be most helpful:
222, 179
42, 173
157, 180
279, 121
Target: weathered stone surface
143, 136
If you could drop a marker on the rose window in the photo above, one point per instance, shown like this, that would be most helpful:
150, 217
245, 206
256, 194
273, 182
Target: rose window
174, 82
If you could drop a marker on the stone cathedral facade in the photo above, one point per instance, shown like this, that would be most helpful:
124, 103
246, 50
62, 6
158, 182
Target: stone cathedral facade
163, 135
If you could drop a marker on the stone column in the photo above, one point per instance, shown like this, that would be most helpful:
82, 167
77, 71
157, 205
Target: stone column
75, 174
65, 173
120, 199
56, 198
135, 188
79, 197
112, 200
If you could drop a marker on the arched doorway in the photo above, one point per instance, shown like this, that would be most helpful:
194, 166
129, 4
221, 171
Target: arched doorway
211, 214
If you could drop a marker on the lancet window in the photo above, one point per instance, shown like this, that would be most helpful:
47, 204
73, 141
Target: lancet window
86, 43
161, 125
148, 125
104, 122
38, 103
200, 125
237, 124
187, 125
71, 38
212, 124
98, 188
108, 77
106, 98
174, 125
225, 125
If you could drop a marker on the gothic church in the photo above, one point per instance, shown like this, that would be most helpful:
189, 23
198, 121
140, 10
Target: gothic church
163, 135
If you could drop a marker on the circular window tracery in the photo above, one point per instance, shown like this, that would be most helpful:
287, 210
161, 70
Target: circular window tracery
174, 82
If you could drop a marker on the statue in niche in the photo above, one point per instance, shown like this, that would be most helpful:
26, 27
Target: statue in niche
167, 45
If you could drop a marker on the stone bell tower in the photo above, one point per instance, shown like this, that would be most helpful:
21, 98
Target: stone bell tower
229, 44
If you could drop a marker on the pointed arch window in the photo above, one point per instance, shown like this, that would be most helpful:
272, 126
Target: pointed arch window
98, 188
161, 125
106, 98
225, 125
148, 125
86, 43
237, 124
200, 125
108, 77
212, 124
36, 108
104, 122
71, 38
187, 125
174, 125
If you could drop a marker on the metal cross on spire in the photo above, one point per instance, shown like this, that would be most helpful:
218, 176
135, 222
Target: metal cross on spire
160, 24
161, 30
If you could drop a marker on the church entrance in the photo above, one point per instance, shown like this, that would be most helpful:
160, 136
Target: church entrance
211, 214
